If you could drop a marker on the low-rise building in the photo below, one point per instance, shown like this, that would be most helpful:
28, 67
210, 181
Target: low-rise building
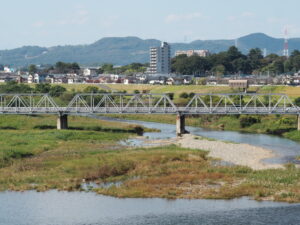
240, 84
175, 81
201, 53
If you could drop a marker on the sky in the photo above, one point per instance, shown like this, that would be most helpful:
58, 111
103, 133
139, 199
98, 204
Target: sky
67, 22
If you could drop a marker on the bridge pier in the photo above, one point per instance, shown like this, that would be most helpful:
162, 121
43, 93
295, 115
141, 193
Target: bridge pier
62, 122
180, 125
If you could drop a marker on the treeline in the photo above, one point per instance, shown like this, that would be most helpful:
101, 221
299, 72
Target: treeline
127, 69
62, 67
14, 87
233, 61
59, 67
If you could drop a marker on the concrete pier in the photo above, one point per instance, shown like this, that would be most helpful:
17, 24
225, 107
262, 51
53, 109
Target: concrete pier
180, 125
62, 122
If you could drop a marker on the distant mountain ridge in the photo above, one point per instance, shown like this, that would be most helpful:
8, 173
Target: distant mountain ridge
125, 50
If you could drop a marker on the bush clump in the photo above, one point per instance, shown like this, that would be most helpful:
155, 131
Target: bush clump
247, 121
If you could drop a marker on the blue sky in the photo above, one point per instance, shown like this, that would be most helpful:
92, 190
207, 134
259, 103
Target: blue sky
60, 22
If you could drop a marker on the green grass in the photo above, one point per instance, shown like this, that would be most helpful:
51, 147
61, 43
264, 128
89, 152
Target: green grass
177, 89
23, 136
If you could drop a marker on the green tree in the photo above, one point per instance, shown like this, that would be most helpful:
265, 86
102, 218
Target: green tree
62, 67
14, 87
32, 69
56, 91
107, 68
233, 53
91, 89
42, 88
219, 70
255, 56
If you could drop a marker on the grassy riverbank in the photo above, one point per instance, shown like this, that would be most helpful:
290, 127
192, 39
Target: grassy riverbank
33, 152
178, 89
173, 172
33, 155
285, 126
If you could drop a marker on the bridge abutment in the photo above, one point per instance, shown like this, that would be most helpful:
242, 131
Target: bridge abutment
62, 122
180, 125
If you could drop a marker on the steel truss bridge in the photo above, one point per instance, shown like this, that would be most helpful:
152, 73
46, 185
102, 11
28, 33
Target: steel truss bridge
116, 103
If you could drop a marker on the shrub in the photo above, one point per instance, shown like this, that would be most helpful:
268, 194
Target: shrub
247, 121
287, 121
67, 97
91, 89
14, 87
184, 95
57, 91
138, 130
192, 94
42, 88
297, 101
115, 168
170, 95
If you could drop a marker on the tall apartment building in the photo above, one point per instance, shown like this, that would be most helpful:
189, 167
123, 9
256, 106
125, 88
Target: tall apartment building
202, 53
160, 59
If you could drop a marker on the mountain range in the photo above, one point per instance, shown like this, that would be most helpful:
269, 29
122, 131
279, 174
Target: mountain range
125, 50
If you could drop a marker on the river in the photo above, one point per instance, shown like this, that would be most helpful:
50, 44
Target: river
87, 208
73, 208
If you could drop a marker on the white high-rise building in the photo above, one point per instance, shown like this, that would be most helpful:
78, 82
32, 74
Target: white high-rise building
160, 59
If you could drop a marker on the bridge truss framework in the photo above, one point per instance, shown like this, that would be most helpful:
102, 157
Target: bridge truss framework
116, 103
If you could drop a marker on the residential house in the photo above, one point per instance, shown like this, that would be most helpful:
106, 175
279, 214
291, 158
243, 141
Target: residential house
157, 80
90, 72
175, 81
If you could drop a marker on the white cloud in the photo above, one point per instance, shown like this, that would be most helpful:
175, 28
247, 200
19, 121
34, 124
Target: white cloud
173, 18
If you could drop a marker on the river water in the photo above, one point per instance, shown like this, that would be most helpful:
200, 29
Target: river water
73, 208
81, 208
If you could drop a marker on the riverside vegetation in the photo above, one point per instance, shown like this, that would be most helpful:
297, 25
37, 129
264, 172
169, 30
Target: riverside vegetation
36, 156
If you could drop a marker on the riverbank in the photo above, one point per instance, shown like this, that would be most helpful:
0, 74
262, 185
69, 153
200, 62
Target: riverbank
235, 153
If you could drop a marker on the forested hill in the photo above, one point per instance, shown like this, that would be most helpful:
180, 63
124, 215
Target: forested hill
125, 50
